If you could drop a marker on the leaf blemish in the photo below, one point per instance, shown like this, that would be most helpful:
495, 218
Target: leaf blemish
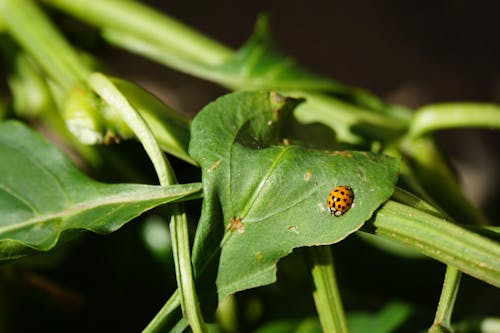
321, 207
293, 229
276, 98
342, 153
236, 224
214, 166
307, 176
360, 174
259, 256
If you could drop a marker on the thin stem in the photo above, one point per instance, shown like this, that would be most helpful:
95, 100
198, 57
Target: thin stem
184, 271
447, 299
326, 293
111, 95
178, 225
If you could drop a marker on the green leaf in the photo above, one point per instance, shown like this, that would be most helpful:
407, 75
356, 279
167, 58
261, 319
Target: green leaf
353, 124
262, 199
259, 64
385, 321
44, 198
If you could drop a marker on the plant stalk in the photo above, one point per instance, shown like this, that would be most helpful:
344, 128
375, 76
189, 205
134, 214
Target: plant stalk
442, 320
436, 117
134, 19
326, 293
439, 239
178, 225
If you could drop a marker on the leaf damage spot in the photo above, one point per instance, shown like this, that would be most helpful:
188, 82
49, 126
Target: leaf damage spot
342, 153
293, 228
111, 137
276, 98
307, 175
236, 224
278, 101
214, 166
259, 256
361, 175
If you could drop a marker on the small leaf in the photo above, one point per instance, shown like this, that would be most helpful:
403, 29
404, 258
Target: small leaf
262, 200
43, 197
259, 64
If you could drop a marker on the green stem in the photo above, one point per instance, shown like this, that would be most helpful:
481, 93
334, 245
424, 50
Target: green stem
429, 164
442, 321
184, 271
439, 181
439, 239
414, 201
112, 96
131, 18
178, 225
454, 115
326, 294
155, 36
31, 28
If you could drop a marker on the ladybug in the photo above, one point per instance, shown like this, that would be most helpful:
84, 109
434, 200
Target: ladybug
340, 200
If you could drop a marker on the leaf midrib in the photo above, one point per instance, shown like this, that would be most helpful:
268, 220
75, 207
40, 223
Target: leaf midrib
263, 181
87, 205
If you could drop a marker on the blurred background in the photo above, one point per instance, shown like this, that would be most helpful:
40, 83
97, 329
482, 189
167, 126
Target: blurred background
407, 52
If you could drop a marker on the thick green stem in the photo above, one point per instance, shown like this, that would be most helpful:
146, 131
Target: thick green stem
442, 321
439, 239
326, 293
131, 18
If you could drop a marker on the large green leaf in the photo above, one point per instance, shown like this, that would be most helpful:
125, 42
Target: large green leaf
263, 199
43, 197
